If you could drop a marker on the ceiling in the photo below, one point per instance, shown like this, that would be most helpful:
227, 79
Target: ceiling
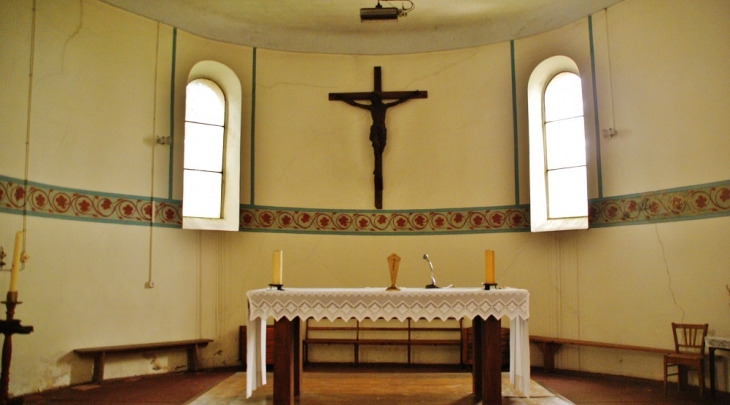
333, 26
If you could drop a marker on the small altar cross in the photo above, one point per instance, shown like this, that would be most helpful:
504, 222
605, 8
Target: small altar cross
378, 132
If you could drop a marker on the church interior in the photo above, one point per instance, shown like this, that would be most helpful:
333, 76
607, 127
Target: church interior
98, 251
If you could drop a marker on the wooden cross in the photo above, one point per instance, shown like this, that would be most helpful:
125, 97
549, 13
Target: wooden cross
378, 132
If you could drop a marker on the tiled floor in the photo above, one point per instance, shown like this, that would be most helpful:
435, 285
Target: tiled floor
358, 387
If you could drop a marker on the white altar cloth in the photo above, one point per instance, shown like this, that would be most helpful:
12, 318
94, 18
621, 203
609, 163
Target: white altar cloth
374, 303
718, 342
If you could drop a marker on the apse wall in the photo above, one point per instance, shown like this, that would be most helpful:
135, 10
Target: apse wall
89, 88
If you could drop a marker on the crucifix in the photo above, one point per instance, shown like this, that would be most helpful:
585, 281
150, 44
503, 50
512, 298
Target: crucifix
378, 132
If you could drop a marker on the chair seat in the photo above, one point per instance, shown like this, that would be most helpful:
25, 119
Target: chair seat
684, 358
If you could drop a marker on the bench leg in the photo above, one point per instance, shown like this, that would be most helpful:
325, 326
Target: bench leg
193, 358
548, 354
98, 375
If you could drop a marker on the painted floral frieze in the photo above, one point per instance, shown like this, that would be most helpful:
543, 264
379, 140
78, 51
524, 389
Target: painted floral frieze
37, 199
18, 197
701, 202
449, 221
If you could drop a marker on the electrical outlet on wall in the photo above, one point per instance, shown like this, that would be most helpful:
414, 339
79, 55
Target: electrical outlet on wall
149, 284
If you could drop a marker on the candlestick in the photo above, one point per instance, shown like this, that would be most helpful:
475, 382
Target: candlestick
277, 270
8, 327
16, 262
489, 267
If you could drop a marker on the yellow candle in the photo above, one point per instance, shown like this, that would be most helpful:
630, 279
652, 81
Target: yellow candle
16, 262
489, 267
277, 267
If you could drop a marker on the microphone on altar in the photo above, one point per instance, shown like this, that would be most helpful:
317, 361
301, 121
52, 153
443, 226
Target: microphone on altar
433, 280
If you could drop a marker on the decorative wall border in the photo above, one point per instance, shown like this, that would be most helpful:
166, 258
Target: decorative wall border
371, 222
696, 202
687, 203
65, 203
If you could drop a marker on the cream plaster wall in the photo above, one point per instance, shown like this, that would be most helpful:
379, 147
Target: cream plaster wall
85, 139
318, 153
636, 280
95, 110
94, 113
84, 286
670, 71
14, 46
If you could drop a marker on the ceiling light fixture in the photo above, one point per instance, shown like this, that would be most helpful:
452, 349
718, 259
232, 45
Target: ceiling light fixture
380, 13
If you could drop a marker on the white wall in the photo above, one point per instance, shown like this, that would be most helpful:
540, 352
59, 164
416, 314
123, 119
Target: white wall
101, 92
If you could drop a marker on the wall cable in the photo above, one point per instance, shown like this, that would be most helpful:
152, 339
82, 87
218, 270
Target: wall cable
153, 209
31, 69
610, 70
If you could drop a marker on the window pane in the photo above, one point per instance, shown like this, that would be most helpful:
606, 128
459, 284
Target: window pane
202, 193
203, 147
563, 97
567, 193
205, 102
565, 143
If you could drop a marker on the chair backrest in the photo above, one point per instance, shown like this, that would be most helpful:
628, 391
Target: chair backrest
689, 338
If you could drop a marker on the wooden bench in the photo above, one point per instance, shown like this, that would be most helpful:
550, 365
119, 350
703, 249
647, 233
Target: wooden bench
406, 332
550, 345
99, 353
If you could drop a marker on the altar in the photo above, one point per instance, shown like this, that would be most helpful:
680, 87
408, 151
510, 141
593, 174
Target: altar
715, 343
484, 307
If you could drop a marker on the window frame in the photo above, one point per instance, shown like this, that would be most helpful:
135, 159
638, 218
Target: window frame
230, 85
205, 165
539, 80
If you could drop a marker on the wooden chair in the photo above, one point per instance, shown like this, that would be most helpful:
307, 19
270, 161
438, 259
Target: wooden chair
689, 353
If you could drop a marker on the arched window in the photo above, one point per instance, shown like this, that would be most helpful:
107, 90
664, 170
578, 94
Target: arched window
558, 176
205, 112
211, 157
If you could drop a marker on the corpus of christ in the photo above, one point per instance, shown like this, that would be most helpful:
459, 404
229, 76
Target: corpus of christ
375, 103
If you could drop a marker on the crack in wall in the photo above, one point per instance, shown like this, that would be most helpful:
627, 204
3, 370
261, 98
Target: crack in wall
63, 49
515, 254
443, 69
75, 33
669, 275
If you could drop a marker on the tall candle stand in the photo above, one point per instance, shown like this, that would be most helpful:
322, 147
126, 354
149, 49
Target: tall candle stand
8, 327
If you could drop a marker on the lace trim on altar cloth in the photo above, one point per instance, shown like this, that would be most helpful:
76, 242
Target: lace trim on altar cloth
375, 303
718, 342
